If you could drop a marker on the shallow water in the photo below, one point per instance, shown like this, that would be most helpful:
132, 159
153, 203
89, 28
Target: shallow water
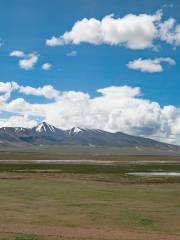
158, 174
96, 162
56, 162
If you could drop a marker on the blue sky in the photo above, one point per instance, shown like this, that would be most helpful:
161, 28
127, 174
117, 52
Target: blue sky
27, 24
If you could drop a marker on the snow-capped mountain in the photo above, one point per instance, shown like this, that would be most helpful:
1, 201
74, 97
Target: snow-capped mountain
44, 127
48, 135
74, 131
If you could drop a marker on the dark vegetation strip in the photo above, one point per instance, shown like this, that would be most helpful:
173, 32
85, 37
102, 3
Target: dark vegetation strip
89, 169
58, 155
102, 173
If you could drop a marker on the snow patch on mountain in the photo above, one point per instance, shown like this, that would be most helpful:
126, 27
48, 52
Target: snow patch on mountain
75, 130
44, 127
20, 129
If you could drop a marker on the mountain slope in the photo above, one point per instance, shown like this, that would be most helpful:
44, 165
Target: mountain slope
48, 135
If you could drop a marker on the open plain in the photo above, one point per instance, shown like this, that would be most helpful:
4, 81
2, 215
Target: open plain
41, 201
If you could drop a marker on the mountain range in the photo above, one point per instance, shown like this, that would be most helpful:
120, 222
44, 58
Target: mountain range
45, 134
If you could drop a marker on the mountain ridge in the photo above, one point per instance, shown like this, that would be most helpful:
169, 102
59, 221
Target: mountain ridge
45, 134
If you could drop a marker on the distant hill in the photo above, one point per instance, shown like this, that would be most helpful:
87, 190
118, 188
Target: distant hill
47, 135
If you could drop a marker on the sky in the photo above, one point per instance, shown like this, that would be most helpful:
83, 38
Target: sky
111, 65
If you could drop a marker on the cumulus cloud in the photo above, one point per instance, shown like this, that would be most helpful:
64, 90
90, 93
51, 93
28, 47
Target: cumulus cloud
150, 65
170, 32
17, 53
71, 54
47, 91
6, 87
116, 108
121, 92
46, 66
18, 105
18, 121
132, 31
27, 61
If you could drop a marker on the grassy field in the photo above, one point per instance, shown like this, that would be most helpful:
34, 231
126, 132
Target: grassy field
87, 153
44, 202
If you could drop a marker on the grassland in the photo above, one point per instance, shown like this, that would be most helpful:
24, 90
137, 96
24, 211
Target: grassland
84, 153
50, 201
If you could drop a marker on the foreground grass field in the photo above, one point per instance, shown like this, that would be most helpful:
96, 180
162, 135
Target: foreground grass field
88, 202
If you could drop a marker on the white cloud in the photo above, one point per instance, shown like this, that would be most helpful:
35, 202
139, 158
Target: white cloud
5, 87
5, 91
117, 108
150, 65
18, 105
18, 121
29, 61
47, 91
170, 32
17, 53
53, 41
8, 87
132, 31
4, 98
71, 54
120, 92
46, 66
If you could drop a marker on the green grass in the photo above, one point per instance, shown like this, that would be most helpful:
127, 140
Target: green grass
89, 169
143, 221
86, 153
27, 237
20, 237
87, 197
104, 173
